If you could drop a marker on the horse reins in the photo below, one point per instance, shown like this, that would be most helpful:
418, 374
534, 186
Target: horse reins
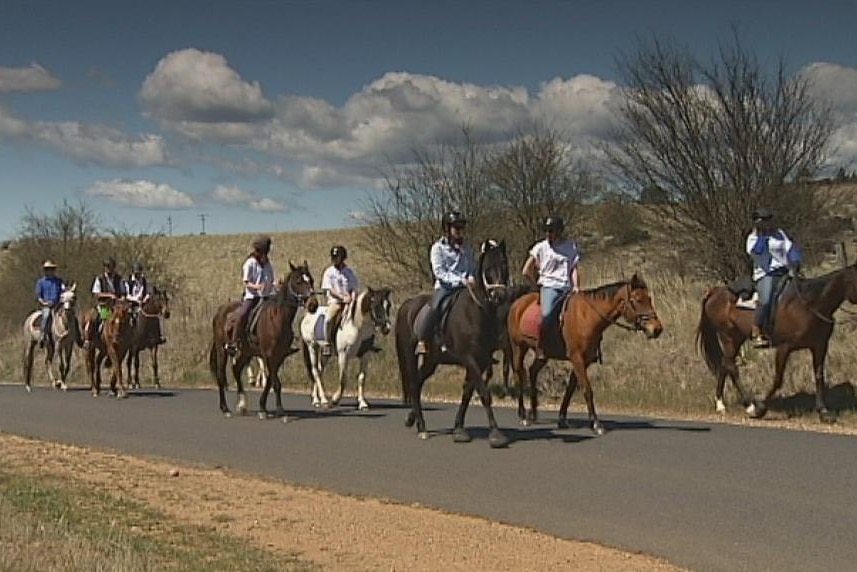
639, 319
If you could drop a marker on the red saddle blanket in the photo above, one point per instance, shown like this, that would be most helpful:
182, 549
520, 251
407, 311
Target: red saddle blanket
531, 321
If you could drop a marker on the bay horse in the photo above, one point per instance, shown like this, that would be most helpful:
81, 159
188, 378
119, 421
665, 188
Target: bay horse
111, 346
584, 318
803, 320
147, 335
469, 338
64, 334
354, 338
273, 342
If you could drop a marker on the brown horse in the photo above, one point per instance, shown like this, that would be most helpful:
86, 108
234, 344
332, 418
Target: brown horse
272, 340
147, 335
803, 320
584, 318
112, 345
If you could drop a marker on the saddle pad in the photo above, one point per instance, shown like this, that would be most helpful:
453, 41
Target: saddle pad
531, 321
320, 321
748, 304
420, 320
445, 306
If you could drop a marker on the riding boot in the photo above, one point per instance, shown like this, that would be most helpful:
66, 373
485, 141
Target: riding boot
758, 338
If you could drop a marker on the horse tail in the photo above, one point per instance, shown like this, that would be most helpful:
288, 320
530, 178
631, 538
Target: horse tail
706, 338
405, 352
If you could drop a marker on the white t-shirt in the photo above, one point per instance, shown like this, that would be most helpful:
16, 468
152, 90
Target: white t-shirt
341, 280
770, 254
555, 262
256, 273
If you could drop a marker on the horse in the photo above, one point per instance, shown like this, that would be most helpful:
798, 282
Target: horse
803, 320
64, 334
110, 346
469, 338
354, 337
273, 341
584, 318
147, 335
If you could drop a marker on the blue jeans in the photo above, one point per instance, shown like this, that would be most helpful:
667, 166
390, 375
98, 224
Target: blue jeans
766, 287
47, 319
550, 301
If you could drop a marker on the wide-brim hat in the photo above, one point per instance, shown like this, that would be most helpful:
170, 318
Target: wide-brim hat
48, 264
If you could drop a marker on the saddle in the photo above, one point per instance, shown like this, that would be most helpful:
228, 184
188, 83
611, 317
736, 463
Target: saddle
252, 320
442, 319
748, 299
531, 326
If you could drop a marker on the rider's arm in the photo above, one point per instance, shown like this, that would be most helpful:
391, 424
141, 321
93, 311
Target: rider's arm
757, 243
443, 275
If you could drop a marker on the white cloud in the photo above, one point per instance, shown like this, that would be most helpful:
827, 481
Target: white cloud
32, 78
191, 87
234, 196
837, 85
140, 194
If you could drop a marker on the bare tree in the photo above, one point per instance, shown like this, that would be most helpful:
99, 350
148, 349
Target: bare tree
403, 219
720, 139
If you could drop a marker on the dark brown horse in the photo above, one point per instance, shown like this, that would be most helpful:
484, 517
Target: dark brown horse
584, 318
272, 340
803, 320
470, 337
147, 335
111, 346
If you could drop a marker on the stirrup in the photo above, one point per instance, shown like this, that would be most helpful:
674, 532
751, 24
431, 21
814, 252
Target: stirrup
421, 348
760, 342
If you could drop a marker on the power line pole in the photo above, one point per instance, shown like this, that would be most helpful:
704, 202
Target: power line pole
202, 217
170, 225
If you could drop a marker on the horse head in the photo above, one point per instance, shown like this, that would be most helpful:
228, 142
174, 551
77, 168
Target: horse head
639, 308
494, 268
158, 303
68, 297
377, 304
299, 287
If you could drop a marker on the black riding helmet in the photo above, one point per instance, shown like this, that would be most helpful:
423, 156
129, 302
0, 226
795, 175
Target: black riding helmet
338, 251
762, 213
109, 262
453, 218
262, 243
553, 223
138, 267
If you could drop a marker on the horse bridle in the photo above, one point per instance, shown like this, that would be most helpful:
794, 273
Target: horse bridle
379, 315
640, 318
300, 299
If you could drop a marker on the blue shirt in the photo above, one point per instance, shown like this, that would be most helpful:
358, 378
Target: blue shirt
49, 289
451, 265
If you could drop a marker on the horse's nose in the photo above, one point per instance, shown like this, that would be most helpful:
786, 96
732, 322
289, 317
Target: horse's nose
166, 315
385, 329
654, 329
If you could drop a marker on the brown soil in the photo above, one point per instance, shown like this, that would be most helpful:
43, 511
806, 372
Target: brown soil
335, 532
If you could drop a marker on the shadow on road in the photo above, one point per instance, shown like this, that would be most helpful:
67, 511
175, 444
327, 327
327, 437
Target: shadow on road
840, 397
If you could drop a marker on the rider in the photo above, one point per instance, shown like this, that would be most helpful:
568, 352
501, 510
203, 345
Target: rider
258, 277
107, 288
48, 290
555, 260
773, 255
453, 266
340, 283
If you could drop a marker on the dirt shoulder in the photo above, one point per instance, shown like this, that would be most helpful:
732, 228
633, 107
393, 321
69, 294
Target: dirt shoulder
332, 531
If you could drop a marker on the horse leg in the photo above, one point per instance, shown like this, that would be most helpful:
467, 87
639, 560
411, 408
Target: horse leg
238, 366
319, 397
518, 354
65, 365
129, 364
49, 365
496, 437
759, 410
459, 433
153, 357
99, 360
579, 363
729, 366
29, 354
118, 379
429, 365
570, 387
537, 366
819, 354
274, 380
342, 362
217, 361
362, 404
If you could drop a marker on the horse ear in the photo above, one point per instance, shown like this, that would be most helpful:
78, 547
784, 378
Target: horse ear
306, 264
73, 286
292, 266
503, 245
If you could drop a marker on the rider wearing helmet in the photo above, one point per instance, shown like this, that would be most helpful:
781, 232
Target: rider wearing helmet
340, 283
258, 276
552, 264
138, 286
453, 266
773, 255
48, 291
107, 288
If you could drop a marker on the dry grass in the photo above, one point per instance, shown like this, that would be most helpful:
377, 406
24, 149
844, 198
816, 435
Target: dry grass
664, 376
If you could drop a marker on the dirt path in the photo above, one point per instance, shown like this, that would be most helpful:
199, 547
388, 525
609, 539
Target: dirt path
335, 532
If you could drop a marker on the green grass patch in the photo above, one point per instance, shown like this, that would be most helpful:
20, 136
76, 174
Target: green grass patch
50, 525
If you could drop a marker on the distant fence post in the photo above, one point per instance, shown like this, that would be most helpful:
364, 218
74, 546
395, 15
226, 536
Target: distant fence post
841, 254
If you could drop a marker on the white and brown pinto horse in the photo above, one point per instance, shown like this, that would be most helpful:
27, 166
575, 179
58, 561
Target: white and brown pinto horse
354, 339
63, 335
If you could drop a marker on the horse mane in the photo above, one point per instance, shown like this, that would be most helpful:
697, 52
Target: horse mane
814, 287
610, 290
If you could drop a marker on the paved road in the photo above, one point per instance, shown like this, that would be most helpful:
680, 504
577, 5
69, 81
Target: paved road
709, 497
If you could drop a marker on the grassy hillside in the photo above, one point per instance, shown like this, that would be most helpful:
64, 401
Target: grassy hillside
664, 375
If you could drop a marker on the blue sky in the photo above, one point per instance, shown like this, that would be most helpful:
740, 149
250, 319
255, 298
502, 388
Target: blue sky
280, 115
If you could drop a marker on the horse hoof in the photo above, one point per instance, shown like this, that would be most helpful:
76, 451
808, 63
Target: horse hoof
410, 419
262, 415
227, 414
719, 406
363, 407
29, 389
757, 410
460, 435
598, 428
526, 422
423, 435
562, 424
286, 419
497, 439
827, 417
